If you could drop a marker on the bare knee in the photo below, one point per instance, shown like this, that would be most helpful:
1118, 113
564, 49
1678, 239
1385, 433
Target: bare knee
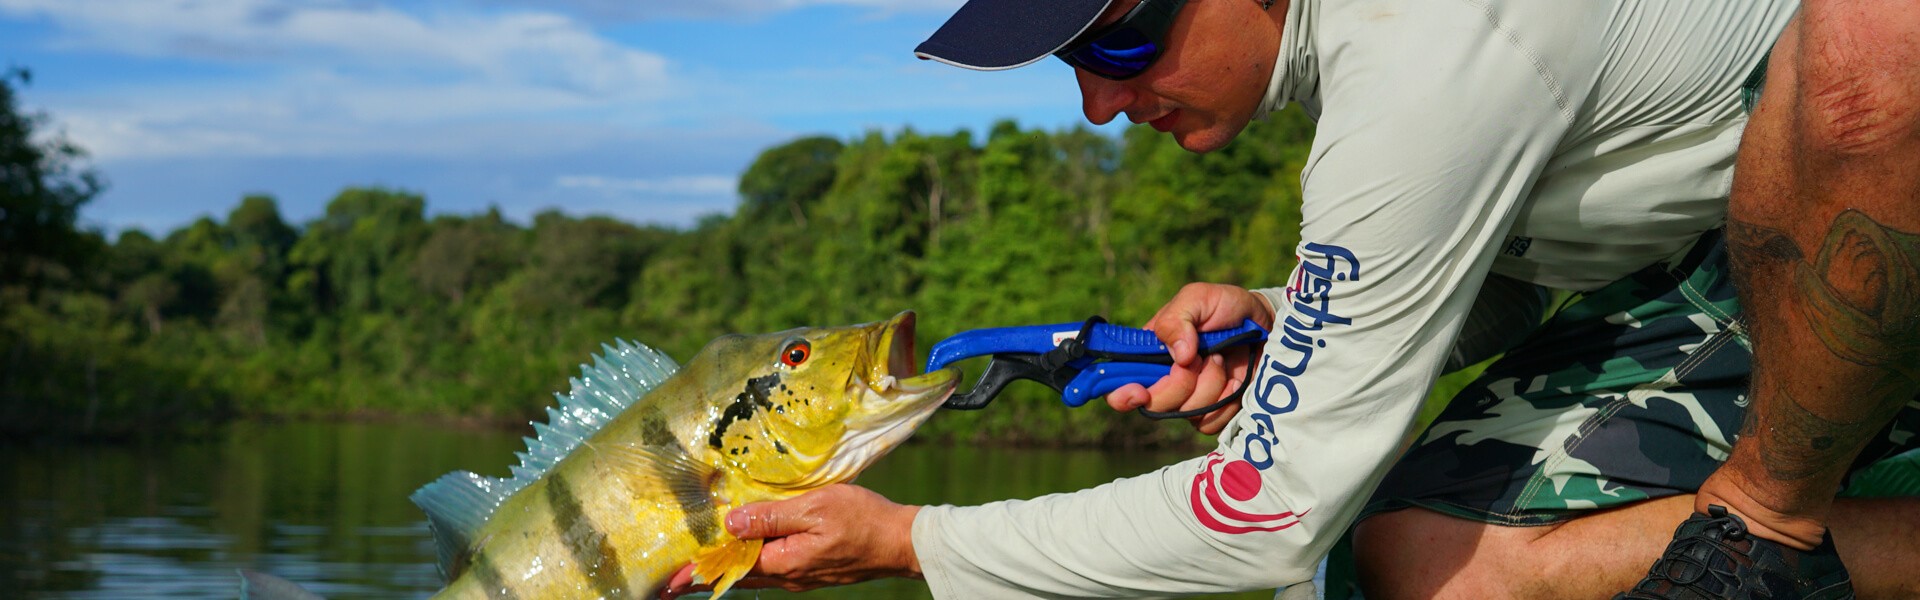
1859, 79
1859, 113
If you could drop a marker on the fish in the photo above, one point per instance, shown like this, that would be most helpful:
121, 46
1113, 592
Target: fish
632, 475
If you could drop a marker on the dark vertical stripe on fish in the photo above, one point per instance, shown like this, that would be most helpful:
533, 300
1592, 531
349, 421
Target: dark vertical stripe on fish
691, 495
490, 579
694, 495
596, 558
653, 427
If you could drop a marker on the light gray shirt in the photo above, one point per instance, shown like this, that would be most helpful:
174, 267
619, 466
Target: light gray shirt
1566, 143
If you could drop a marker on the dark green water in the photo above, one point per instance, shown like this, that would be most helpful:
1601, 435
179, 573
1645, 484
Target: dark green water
325, 505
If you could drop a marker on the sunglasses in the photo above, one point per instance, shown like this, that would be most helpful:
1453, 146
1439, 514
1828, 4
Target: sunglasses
1127, 47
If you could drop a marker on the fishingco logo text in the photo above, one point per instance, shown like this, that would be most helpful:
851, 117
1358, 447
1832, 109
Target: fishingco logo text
1223, 486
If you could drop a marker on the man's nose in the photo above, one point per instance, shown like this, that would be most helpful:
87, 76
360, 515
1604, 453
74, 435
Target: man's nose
1102, 99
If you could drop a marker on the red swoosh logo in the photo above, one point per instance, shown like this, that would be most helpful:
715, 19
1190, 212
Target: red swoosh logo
1206, 501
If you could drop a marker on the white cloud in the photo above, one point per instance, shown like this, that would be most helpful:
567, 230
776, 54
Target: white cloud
474, 102
373, 41
337, 76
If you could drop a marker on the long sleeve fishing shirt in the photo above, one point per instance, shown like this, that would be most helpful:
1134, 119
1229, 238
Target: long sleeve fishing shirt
1565, 143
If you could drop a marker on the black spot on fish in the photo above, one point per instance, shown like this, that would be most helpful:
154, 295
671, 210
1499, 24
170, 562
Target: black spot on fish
490, 579
779, 447
752, 398
595, 558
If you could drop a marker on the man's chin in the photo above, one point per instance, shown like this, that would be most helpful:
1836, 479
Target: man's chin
1202, 141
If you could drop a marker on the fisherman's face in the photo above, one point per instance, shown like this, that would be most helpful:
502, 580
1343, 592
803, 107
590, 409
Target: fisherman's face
1205, 88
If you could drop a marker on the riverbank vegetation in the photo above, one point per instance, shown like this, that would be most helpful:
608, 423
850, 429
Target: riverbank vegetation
381, 307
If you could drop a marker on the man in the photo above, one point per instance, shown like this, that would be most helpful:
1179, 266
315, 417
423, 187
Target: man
1469, 156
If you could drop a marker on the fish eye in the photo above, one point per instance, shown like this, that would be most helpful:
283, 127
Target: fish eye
796, 353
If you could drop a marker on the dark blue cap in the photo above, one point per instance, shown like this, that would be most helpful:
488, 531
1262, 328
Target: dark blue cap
990, 35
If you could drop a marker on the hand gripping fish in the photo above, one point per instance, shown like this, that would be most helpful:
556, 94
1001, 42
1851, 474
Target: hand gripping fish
634, 472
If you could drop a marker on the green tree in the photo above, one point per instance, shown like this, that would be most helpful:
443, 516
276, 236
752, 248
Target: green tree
42, 187
354, 257
374, 307
462, 256
576, 264
786, 179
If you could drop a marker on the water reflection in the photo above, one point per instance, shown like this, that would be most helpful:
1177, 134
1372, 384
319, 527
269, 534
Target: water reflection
325, 505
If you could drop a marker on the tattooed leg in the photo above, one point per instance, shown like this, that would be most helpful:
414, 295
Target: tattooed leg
1824, 233
1849, 299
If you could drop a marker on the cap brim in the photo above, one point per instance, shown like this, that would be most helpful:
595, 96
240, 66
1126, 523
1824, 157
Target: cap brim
991, 35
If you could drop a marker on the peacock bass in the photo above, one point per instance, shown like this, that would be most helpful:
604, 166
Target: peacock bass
634, 472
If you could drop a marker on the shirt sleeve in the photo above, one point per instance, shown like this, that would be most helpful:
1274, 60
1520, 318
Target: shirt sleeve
1435, 124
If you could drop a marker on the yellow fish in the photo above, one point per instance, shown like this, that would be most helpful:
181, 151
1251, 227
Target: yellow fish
633, 474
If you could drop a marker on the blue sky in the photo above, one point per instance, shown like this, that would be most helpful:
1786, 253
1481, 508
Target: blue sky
646, 110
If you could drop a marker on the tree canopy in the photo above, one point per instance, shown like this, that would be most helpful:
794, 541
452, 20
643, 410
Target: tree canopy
378, 307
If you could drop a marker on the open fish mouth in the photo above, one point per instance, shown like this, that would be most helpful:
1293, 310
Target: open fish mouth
896, 400
900, 373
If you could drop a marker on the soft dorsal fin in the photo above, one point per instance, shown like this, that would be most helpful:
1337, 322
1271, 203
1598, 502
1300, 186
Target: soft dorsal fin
459, 503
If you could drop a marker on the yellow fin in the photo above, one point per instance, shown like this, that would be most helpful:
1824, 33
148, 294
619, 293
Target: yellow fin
725, 564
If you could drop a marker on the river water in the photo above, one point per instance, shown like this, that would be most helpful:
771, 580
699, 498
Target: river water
325, 505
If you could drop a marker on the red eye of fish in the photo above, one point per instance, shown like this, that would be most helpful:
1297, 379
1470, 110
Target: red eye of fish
795, 354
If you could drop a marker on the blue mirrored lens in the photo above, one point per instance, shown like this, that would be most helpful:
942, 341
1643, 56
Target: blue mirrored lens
1120, 54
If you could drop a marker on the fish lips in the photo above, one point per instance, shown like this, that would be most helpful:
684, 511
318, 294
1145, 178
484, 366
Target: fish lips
899, 374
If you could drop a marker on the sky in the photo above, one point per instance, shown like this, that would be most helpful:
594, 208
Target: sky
644, 110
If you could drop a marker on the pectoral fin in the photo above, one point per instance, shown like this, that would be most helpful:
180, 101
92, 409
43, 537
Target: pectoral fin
668, 477
688, 485
724, 564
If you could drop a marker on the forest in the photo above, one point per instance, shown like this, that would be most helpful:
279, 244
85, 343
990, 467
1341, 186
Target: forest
384, 308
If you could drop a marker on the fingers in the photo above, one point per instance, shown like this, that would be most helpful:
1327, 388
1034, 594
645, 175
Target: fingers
1175, 326
1211, 384
835, 535
785, 557
681, 583
1220, 376
1173, 391
1212, 423
1128, 397
1186, 389
1203, 307
770, 519
1194, 382
1238, 371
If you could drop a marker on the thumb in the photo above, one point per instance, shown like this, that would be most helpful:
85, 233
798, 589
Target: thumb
1182, 339
765, 520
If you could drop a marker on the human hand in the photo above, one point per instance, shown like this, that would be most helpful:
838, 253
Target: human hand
1192, 382
835, 535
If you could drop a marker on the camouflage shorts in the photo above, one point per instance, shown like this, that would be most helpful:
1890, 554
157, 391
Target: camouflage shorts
1631, 392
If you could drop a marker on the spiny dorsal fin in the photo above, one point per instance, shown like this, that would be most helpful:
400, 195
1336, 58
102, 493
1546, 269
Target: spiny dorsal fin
459, 503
